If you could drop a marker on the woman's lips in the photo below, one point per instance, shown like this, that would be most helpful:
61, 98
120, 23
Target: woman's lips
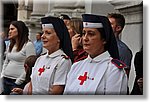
86, 44
45, 42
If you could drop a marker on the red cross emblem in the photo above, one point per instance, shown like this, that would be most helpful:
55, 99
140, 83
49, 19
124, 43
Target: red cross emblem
41, 70
83, 78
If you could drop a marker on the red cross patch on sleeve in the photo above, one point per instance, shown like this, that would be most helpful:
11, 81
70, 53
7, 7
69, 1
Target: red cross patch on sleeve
119, 64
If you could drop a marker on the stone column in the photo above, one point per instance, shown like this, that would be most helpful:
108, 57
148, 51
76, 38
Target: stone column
99, 7
133, 32
24, 9
71, 8
1, 60
40, 8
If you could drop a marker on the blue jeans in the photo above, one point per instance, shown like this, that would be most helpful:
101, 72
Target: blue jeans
9, 84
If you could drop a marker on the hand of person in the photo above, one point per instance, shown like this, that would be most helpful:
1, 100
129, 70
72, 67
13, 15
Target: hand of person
56, 89
2, 35
140, 84
75, 41
17, 90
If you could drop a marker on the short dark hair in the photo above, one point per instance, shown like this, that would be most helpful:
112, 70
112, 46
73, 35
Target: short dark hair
30, 61
120, 20
64, 16
40, 33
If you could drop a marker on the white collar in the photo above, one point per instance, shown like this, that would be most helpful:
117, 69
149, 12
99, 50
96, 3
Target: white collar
55, 54
99, 57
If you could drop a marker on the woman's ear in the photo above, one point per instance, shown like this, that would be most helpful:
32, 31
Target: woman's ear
118, 28
104, 42
26, 67
58, 41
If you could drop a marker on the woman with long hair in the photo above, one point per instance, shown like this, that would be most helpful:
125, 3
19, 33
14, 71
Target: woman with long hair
20, 48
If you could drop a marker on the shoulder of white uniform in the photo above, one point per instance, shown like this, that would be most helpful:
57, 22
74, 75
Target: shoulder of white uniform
65, 56
119, 64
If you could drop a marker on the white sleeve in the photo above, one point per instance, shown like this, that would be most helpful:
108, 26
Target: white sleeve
116, 81
21, 79
69, 79
61, 72
30, 50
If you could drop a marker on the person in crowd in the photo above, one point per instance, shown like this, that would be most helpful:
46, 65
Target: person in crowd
138, 83
101, 72
38, 44
65, 18
2, 56
118, 22
19, 49
29, 63
50, 77
76, 27
3, 47
71, 29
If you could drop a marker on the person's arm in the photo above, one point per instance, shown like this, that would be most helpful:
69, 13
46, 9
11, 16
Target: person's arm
140, 84
75, 41
126, 57
4, 65
21, 79
30, 89
57, 89
60, 77
116, 82
17, 90
30, 49
39, 49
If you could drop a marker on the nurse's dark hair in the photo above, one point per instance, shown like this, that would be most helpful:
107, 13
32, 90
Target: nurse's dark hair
103, 36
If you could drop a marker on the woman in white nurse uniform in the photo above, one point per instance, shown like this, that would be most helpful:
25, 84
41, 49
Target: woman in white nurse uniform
50, 71
101, 73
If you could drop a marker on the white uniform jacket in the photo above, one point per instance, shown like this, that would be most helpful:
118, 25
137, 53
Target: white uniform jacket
96, 76
49, 70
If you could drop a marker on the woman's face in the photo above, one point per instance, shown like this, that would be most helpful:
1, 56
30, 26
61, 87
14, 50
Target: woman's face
50, 40
66, 21
71, 31
93, 43
13, 32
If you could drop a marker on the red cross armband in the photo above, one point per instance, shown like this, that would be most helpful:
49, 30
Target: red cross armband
119, 64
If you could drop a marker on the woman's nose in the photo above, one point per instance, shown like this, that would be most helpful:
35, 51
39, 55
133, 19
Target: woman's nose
9, 31
85, 37
43, 35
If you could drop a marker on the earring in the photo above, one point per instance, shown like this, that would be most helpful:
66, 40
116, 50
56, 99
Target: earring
104, 42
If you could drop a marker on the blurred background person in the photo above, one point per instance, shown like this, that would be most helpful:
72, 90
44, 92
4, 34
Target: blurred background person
65, 18
75, 31
38, 44
2, 37
138, 83
118, 22
29, 63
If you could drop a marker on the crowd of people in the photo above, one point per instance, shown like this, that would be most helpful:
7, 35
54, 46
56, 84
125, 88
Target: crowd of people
85, 56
